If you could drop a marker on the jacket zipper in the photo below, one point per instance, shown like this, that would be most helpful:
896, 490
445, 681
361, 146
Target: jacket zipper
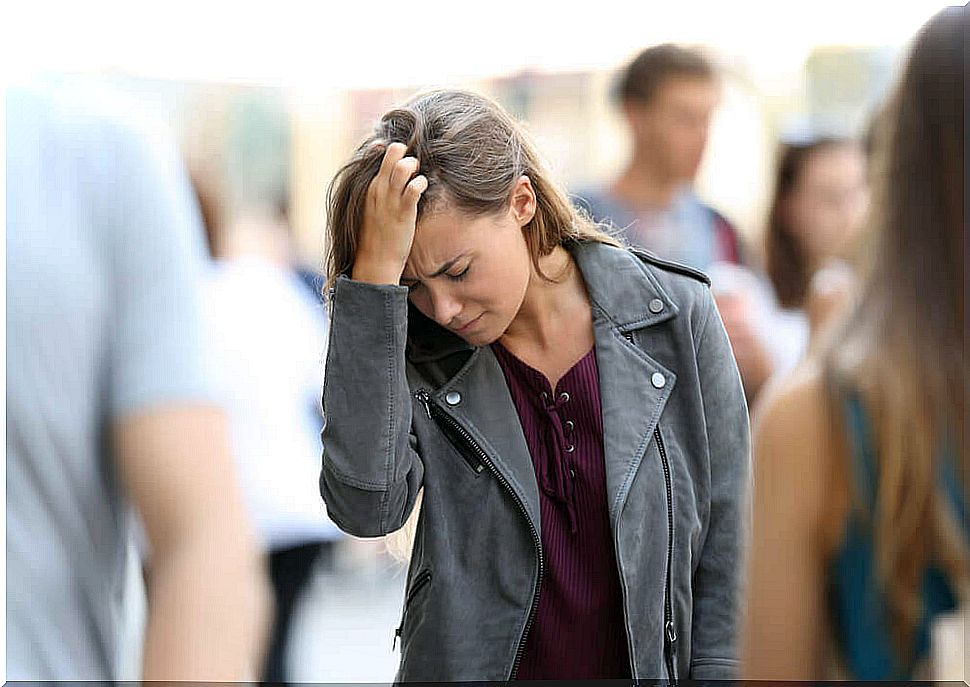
626, 595
423, 578
436, 414
670, 627
619, 567
460, 446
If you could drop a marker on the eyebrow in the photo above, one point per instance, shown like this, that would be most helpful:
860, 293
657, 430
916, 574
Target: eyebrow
444, 268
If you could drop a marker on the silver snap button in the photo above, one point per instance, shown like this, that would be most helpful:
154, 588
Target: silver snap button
658, 380
572, 473
656, 305
570, 426
563, 397
570, 448
545, 397
453, 398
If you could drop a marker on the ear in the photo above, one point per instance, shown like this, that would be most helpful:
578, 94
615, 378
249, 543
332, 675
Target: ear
523, 201
633, 114
629, 110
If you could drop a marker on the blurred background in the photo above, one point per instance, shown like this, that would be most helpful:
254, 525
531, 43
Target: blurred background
267, 100
330, 74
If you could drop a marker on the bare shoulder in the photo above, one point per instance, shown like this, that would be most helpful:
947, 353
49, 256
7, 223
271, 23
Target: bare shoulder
792, 447
793, 403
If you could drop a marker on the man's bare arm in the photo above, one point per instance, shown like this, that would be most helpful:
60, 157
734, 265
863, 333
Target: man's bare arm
208, 598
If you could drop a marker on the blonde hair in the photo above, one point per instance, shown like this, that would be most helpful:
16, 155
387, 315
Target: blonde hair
901, 348
400, 542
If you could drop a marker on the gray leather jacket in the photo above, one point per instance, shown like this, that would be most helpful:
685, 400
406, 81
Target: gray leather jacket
409, 405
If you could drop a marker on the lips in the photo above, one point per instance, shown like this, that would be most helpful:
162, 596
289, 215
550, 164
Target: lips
467, 326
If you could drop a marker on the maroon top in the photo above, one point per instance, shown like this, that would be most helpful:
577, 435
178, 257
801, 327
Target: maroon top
578, 631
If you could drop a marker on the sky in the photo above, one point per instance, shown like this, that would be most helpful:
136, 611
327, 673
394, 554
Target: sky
379, 44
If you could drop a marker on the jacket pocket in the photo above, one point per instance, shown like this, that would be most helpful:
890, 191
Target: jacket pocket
421, 582
453, 433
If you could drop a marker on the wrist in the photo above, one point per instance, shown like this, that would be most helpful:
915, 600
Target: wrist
377, 271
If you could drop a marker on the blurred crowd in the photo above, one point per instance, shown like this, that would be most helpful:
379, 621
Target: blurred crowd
165, 348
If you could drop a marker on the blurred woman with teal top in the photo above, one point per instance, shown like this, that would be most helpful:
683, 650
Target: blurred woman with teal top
860, 521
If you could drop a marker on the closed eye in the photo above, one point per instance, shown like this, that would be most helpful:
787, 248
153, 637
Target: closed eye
461, 275
414, 284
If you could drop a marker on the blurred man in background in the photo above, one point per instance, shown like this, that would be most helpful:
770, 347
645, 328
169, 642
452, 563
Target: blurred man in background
668, 95
109, 406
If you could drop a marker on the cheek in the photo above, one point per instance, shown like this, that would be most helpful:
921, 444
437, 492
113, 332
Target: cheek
503, 287
518, 268
859, 211
501, 290
655, 134
820, 228
803, 217
523, 268
510, 262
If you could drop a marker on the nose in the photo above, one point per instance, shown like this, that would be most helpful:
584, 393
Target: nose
445, 307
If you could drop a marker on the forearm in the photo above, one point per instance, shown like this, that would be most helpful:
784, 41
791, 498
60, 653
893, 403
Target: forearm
717, 610
718, 578
209, 608
371, 471
207, 591
717, 590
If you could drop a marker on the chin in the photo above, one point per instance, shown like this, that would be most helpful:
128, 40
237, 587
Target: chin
690, 174
481, 338
484, 336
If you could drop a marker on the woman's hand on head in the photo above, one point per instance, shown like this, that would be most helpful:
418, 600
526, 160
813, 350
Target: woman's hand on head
390, 214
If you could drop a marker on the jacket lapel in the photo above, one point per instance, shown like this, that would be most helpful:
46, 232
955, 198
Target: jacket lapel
631, 407
634, 387
485, 409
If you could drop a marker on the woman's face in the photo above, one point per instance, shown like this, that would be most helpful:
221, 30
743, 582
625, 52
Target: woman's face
829, 201
469, 273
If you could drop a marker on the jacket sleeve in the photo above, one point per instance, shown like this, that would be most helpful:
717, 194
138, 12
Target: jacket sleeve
371, 470
717, 579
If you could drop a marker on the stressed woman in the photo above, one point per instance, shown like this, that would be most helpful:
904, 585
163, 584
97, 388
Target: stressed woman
570, 409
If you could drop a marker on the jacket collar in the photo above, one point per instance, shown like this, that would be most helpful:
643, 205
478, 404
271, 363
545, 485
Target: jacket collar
620, 287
